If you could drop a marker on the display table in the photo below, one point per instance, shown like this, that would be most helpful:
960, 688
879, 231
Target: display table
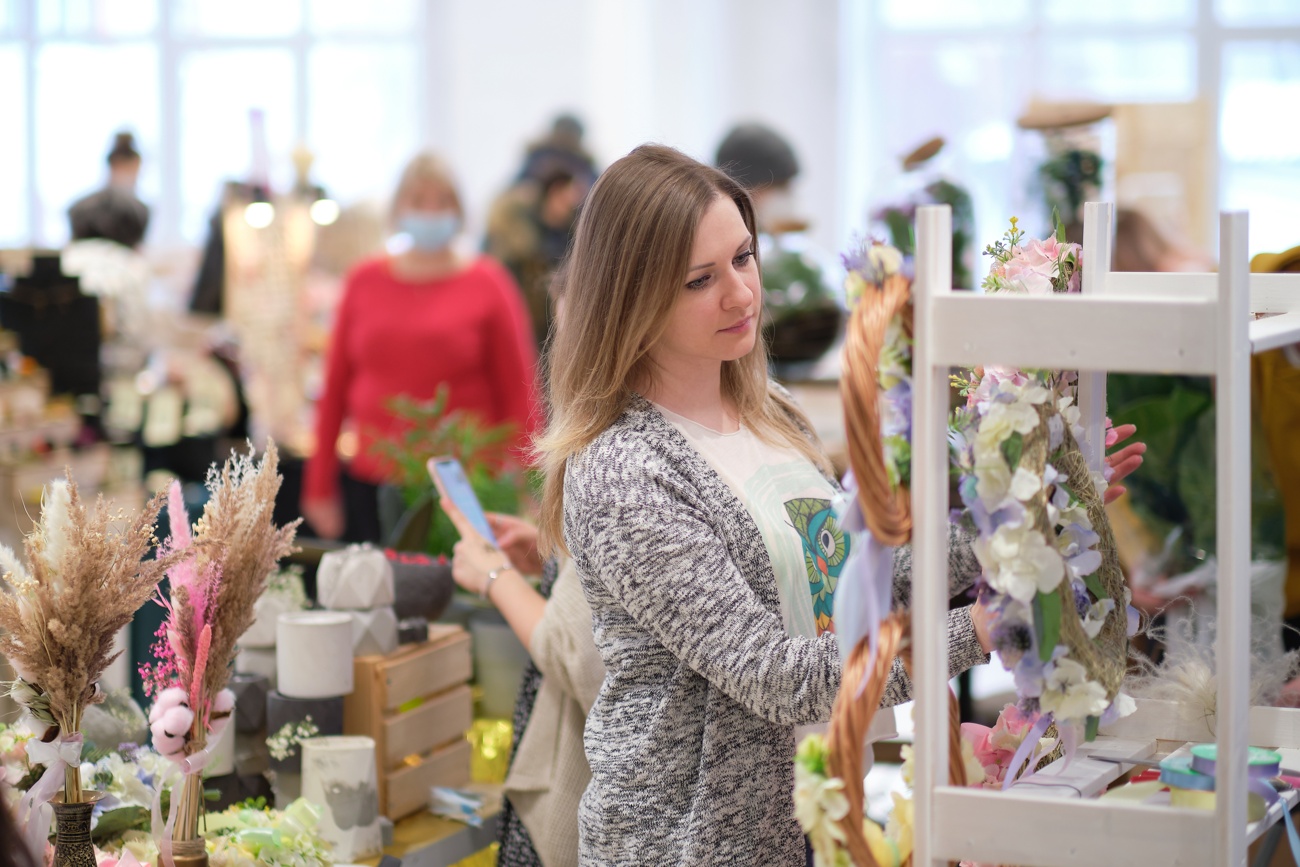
426, 840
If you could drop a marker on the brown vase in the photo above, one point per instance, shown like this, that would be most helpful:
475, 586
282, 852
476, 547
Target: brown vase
72, 846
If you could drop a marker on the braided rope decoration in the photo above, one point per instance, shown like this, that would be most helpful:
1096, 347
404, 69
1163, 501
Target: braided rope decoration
852, 716
886, 507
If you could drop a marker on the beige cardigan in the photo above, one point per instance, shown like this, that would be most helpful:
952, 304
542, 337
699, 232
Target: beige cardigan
550, 770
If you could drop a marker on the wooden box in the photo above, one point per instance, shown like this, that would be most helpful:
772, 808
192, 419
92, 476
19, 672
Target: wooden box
416, 705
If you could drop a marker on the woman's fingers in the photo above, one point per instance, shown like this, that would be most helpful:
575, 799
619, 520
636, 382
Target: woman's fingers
1121, 433
1123, 462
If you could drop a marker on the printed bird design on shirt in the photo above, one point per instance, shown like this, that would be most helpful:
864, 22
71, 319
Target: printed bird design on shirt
825, 548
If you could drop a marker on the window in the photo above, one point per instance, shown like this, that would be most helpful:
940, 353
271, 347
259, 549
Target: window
965, 69
183, 76
1259, 138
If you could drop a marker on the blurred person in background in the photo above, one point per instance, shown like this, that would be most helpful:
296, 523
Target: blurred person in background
529, 230
410, 321
1275, 379
548, 766
114, 212
531, 223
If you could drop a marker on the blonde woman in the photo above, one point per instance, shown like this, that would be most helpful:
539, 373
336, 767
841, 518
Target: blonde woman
695, 503
409, 323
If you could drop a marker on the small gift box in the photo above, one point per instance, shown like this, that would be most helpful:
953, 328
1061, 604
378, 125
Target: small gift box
412, 630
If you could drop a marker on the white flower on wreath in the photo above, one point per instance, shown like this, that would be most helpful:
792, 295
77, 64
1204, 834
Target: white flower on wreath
1069, 694
1096, 616
892, 366
1070, 412
1000, 421
1018, 561
994, 484
819, 805
886, 260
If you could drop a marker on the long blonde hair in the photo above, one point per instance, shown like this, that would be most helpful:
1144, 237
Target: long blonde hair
622, 277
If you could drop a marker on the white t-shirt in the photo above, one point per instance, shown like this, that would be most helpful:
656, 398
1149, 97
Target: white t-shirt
791, 502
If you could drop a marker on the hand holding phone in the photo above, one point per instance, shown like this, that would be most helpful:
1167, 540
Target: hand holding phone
453, 487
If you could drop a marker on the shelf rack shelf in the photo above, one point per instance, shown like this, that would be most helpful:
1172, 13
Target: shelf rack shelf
1140, 323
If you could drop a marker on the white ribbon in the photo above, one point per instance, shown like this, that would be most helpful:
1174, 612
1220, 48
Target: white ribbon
182, 767
34, 811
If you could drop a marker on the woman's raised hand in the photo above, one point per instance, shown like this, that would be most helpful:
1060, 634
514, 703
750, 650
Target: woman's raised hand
1123, 462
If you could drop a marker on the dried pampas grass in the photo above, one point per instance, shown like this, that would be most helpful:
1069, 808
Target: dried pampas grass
222, 567
1188, 671
238, 538
82, 583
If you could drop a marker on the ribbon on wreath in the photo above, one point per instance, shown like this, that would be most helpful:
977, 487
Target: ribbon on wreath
182, 767
863, 599
1261, 766
1027, 751
34, 811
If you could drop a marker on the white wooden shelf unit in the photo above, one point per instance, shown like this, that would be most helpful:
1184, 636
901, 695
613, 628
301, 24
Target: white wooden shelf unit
1197, 324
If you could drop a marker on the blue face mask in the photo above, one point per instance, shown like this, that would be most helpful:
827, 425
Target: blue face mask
429, 231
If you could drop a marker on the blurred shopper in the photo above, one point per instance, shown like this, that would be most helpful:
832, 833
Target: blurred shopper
548, 767
410, 322
1276, 381
531, 223
529, 230
114, 213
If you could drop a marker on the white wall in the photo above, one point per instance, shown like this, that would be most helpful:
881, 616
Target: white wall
680, 72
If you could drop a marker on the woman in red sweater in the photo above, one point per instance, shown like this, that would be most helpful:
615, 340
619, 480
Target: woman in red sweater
409, 323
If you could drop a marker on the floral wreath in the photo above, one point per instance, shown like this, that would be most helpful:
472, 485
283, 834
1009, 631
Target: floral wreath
1051, 574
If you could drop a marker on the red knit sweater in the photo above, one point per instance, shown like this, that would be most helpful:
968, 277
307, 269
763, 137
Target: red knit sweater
393, 337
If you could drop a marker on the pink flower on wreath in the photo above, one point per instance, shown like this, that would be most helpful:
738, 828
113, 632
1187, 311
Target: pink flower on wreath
1032, 268
995, 747
994, 375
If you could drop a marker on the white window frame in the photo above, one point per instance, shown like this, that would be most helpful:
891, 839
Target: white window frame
165, 224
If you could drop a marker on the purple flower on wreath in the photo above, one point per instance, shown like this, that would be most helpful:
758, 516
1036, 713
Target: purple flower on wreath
1082, 602
1012, 639
896, 411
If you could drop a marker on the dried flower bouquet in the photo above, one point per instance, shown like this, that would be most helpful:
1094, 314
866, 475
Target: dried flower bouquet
82, 582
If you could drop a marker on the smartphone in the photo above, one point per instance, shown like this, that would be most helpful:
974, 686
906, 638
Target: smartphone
450, 480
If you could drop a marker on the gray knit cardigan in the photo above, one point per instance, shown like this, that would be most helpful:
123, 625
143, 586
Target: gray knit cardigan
691, 740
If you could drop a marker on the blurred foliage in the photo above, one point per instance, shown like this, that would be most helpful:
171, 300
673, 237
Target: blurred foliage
430, 430
1175, 487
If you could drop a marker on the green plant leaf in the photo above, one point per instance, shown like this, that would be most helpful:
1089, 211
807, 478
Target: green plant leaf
1093, 583
114, 823
1012, 447
1047, 622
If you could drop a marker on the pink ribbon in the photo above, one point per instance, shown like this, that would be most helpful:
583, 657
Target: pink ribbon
34, 811
183, 767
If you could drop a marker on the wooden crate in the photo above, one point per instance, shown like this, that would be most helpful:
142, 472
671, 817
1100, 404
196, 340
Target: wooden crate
408, 786
416, 705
